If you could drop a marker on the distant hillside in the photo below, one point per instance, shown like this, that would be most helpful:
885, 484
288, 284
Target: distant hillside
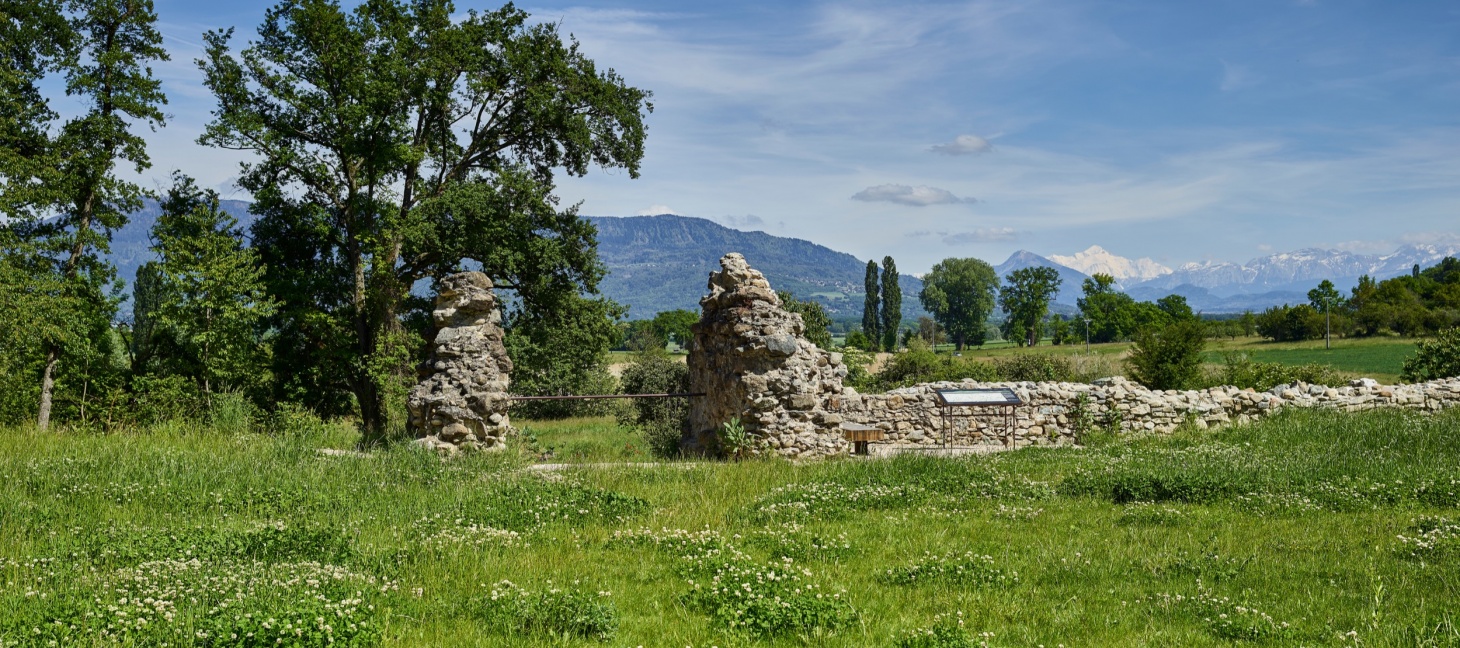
655, 263
659, 263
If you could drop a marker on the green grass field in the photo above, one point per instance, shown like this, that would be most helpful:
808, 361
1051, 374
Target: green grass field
1311, 529
1381, 358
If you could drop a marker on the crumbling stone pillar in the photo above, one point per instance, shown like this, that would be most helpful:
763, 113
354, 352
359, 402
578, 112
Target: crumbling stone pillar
750, 359
461, 401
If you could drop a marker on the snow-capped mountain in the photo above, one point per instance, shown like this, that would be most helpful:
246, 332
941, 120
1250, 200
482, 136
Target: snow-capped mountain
1097, 260
1299, 270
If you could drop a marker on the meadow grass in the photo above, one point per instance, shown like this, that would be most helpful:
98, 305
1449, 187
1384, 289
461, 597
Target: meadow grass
1312, 528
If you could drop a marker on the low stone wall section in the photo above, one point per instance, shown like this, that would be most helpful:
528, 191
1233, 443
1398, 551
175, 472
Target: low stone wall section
910, 417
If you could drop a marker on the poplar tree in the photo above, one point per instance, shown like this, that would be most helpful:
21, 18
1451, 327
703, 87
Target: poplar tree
62, 196
891, 318
871, 324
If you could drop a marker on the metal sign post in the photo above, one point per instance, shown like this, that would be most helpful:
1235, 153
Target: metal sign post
966, 403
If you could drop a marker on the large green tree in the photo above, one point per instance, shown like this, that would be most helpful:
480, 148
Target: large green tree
891, 317
1025, 299
674, 325
871, 305
960, 295
398, 141
1111, 315
62, 197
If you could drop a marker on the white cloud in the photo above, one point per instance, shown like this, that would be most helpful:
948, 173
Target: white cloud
919, 196
963, 145
656, 210
746, 222
1431, 238
982, 235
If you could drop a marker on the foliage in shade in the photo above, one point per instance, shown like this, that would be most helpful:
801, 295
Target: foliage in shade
872, 305
960, 295
563, 351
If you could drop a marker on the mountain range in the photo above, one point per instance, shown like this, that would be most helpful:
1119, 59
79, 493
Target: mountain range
659, 263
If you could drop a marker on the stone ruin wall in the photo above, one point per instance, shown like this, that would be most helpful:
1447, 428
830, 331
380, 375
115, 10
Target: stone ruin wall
910, 417
752, 361
461, 400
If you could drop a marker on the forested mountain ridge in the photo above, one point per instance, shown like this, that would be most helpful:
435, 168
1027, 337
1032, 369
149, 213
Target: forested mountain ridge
659, 263
655, 263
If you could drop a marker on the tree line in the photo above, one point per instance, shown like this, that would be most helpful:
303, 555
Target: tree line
1423, 302
392, 143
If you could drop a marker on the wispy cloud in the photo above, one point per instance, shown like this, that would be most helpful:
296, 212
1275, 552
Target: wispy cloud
963, 145
920, 196
982, 235
746, 222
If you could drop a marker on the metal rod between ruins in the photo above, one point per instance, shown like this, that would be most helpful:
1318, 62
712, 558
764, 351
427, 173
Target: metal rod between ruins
599, 396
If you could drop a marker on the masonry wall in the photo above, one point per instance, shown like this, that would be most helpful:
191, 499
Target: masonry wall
910, 417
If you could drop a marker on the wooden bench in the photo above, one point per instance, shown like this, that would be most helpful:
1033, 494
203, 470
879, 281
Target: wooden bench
859, 435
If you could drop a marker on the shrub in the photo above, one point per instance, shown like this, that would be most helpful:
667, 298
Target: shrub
660, 420
1035, 367
294, 420
1240, 371
919, 364
1437, 358
859, 340
856, 359
1169, 358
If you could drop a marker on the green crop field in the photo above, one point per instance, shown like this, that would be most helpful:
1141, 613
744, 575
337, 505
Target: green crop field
1380, 358
1311, 529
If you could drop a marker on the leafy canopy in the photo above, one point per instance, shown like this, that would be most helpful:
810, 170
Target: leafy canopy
960, 295
1025, 299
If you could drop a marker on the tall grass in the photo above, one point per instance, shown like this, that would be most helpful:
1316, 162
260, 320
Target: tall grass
1311, 528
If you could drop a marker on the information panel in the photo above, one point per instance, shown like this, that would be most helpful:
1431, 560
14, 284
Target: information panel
998, 396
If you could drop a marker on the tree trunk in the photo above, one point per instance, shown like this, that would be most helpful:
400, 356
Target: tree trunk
1033, 336
53, 350
367, 392
958, 343
48, 384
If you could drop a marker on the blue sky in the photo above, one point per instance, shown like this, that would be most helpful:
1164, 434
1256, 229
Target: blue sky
1180, 131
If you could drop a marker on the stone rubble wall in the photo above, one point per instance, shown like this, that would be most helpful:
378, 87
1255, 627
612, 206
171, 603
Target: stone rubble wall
910, 417
752, 361
461, 400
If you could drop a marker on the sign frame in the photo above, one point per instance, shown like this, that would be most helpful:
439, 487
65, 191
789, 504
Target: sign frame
956, 402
